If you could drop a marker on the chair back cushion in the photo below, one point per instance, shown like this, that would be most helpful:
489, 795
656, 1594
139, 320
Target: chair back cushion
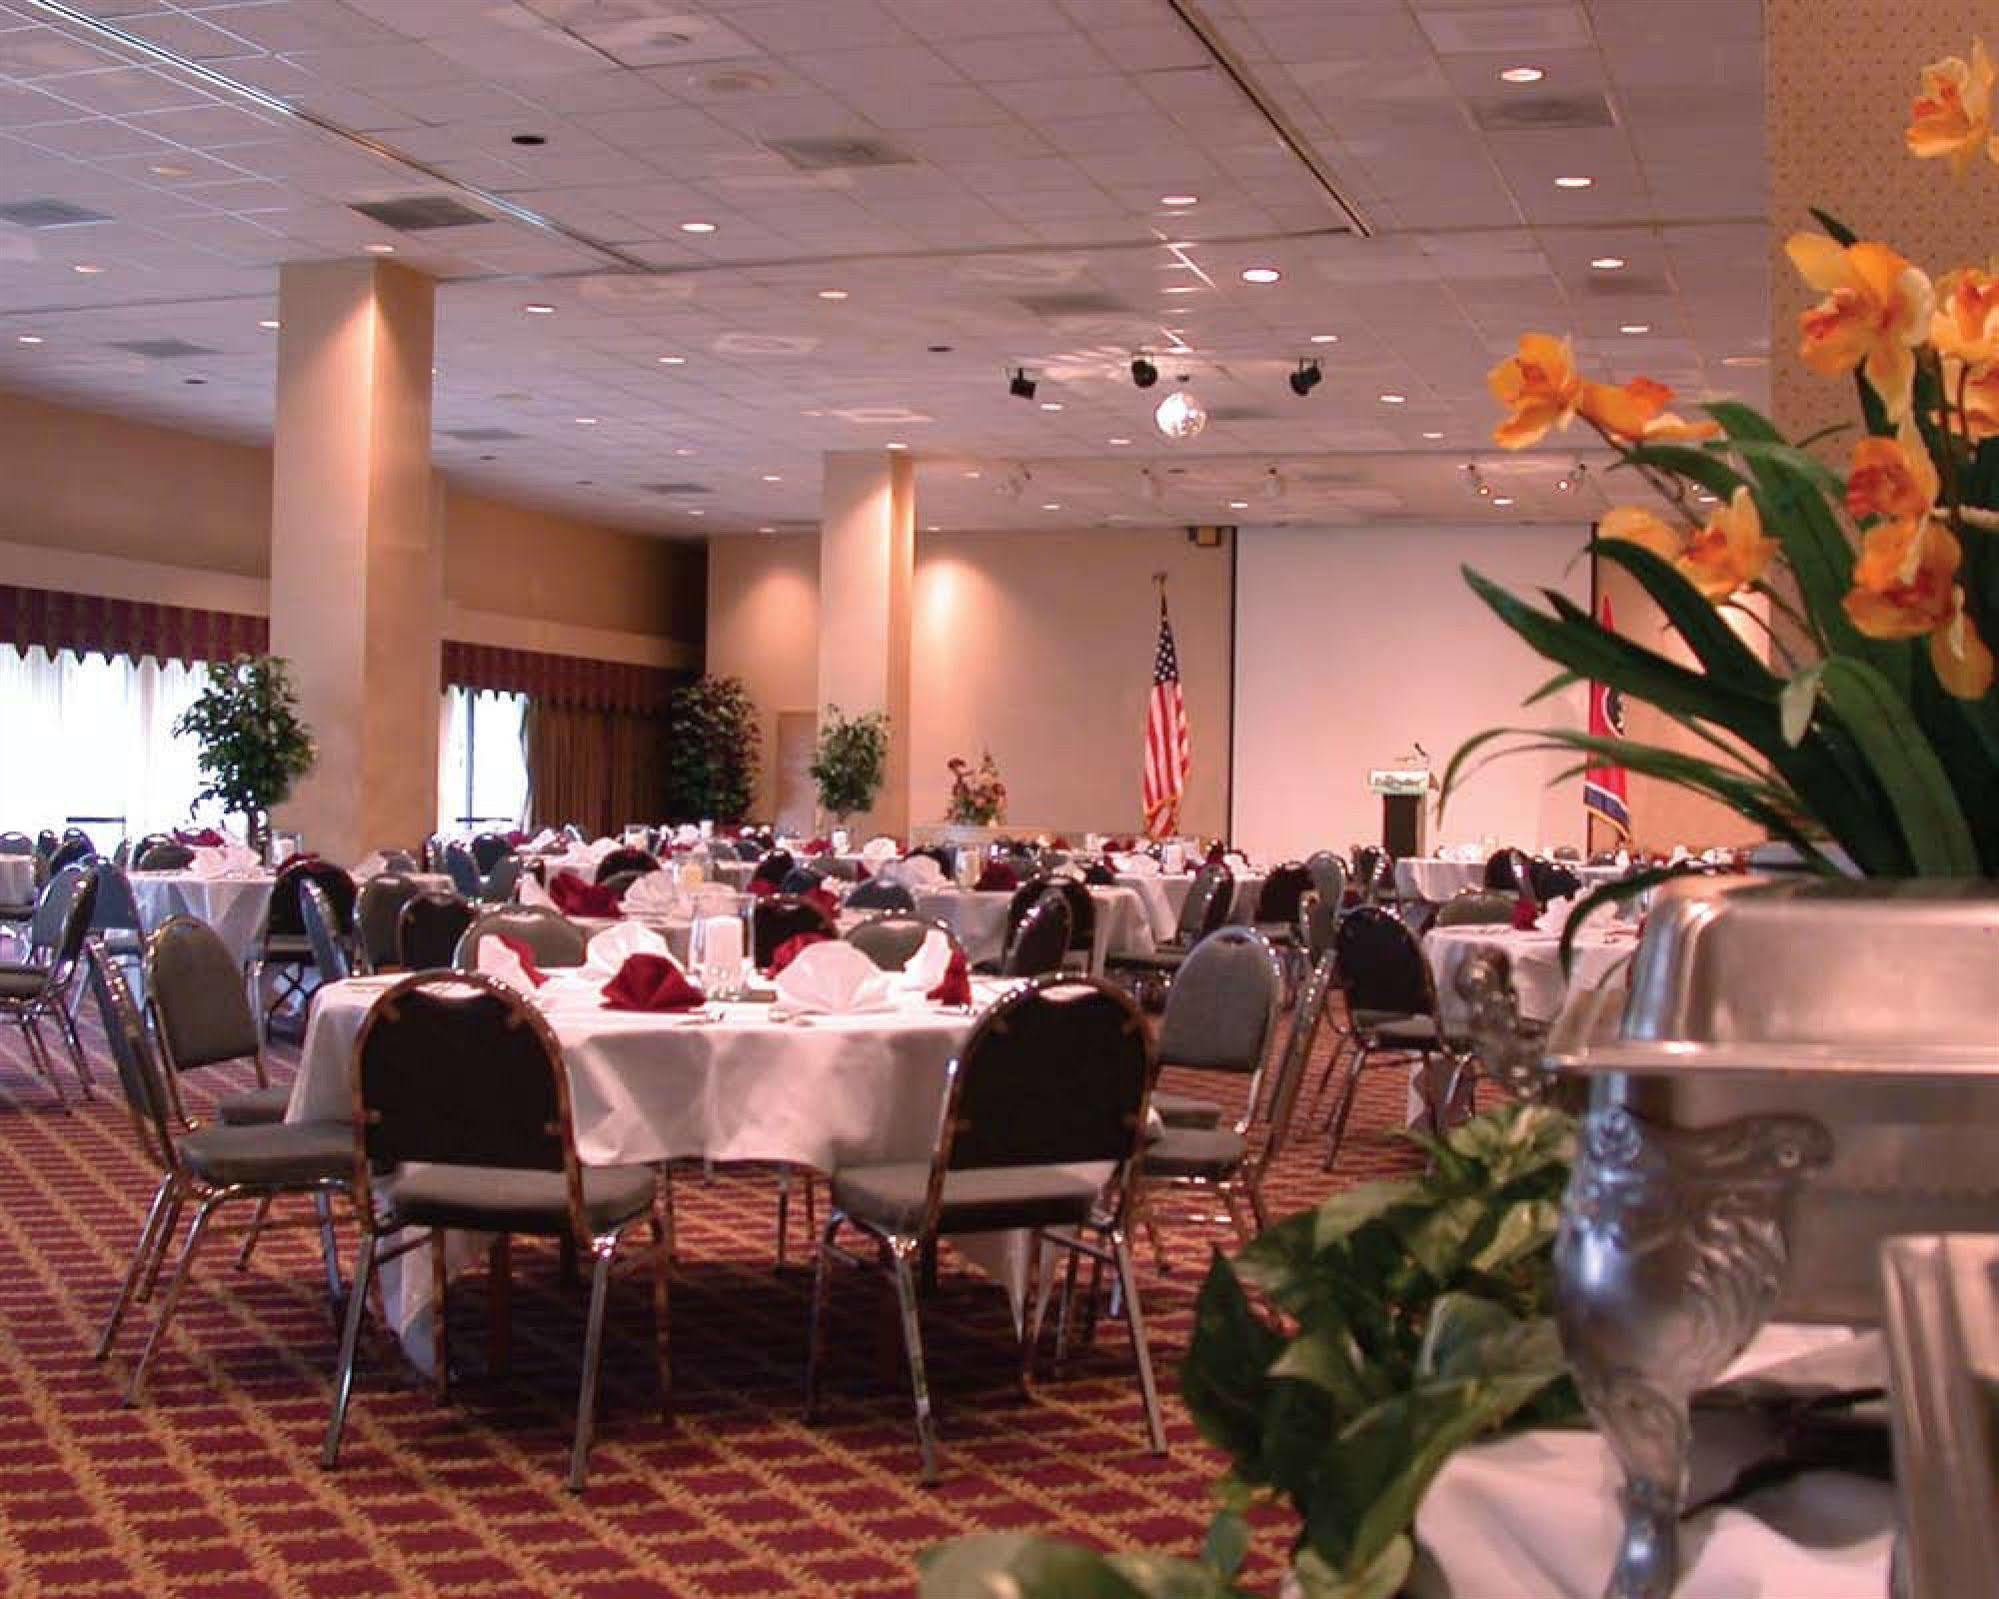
74, 927
197, 994
463, 870
782, 917
488, 849
338, 886
376, 913
428, 930
1380, 965
1043, 938
1477, 907
1223, 1003
502, 880
1209, 899
774, 867
1282, 890
626, 859
890, 939
1329, 875
551, 936
316, 911
139, 1077
879, 894
116, 907
165, 856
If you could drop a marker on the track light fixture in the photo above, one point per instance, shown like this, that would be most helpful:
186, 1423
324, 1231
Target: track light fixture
1273, 484
1476, 479
1143, 373
1572, 479
1148, 486
1307, 378
1021, 386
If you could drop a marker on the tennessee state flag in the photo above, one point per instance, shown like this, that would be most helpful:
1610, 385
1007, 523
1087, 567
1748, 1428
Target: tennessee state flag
1606, 789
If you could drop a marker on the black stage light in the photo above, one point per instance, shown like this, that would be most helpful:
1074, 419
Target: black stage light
1022, 386
1143, 373
1306, 378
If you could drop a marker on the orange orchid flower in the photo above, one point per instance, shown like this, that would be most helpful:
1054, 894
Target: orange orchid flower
1729, 553
1539, 388
1960, 657
1877, 309
1635, 525
1892, 477
1966, 324
1904, 579
1952, 116
1981, 397
1636, 411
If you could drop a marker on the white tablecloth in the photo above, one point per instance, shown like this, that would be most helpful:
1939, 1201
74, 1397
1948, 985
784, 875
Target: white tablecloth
1177, 885
234, 906
1433, 878
1536, 962
17, 879
1534, 1516
979, 919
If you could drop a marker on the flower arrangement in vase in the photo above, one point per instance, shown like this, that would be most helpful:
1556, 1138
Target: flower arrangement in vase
978, 797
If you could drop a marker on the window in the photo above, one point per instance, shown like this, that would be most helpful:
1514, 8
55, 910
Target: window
482, 776
90, 742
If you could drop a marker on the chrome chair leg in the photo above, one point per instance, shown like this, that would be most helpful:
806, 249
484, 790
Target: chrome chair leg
662, 1303
1066, 1313
252, 1233
1140, 1348
815, 1331
329, 1245
593, 1353
783, 1213
902, 1256
175, 1203
1349, 1091
171, 1299
1031, 1297
440, 1316
142, 1254
350, 1343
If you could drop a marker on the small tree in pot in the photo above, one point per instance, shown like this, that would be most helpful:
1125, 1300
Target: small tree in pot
851, 761
711, 753
253, 745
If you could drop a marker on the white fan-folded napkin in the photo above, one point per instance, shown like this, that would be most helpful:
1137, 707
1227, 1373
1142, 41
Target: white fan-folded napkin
530, 891
833, 979
687, 834
546, 839
1135, 865
209, 861
879, 851
919, 872
605, 955
655, 894
925, 969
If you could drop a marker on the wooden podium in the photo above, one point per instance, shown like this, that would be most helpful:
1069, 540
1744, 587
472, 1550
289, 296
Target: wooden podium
1405, 807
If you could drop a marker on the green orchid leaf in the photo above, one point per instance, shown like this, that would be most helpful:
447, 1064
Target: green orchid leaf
1383, 1577
1932, 821
1841, 234
1800, 461
1708, 468
1716, 645
1227, 1544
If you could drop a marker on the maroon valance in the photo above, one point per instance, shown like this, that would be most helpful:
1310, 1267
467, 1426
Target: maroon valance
561, 679
96, 623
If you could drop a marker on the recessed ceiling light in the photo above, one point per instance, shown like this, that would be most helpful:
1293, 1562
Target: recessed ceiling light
1608, 263
673, 360
28, 338
1261, 274
1394, 399
1179, 199
697, 227
1325, 338
897, 444
766, 530
586, 421
832, 294
539, 310
684, 450
1522, 75
1238, 505
1120, 441
1502, 500
86, 268
772, 477
1051, 405
1574, 183
1745, 360
379, 249
1183, 288
166, 169
1433, 434
697, 513
270, 324
1635, 327
974, 474
1052, 505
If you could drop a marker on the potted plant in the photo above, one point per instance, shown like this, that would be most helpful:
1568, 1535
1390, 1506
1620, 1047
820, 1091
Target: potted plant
1869, 721
253, 747
711, 752
850, 762
978, 797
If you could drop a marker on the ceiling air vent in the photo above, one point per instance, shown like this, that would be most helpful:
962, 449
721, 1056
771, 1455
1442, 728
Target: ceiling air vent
676, 488
832, 155
1239, 413
1073, 303
420, 213
481, 435
1624, 286
163, 349
1536, 113
48, 214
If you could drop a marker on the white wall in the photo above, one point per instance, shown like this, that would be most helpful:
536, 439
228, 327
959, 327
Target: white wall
1352, 644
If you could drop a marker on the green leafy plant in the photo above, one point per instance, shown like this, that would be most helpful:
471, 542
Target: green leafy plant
1339, 1360
711, 750
253, 745
851, 761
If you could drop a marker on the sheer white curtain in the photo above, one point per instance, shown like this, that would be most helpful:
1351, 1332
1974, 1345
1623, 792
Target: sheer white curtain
91, 736
482, 774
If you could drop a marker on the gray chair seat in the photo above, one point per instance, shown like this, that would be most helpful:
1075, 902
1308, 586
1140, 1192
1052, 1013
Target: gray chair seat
22, 982
1278, 932
892, 1197
254, 1107
1413, 1031
1166, 957
1184, 1110
287, 947
287, 1153
1211, 1152
513, 1200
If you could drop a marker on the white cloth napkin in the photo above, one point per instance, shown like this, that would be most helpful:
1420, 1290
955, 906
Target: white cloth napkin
209, 861
606, 953
919, 872
879, 851
370, 866
503, 965
655, 893
547, 838
924, 970
1135, 865
688, 834
530, 891
833, 979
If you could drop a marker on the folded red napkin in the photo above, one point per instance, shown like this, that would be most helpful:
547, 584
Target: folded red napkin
823, 898
651, 982
199, 838
955, 988
762, 888
861, 872
792, 948
819, 846
574, 897
1525, 914
1058, 842
1218, 854
998, 877
517, 838
533, 973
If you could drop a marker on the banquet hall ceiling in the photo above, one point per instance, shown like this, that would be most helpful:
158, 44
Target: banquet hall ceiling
981, 182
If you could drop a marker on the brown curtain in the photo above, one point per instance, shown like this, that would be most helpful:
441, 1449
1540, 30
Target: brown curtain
597, 768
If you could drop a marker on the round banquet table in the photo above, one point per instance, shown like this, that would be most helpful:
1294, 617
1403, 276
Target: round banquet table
731, 1083
234, 906
978, 918
1536, 961
1432, 878
17, 879
1176, 886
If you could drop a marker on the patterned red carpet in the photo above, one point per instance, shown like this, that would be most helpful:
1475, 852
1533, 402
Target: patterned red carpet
213, 1488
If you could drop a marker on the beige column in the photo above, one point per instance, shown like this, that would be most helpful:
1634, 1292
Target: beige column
867, 560
357, 592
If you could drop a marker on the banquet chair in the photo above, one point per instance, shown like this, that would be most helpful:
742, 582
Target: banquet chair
892, 938
1392, 1007
774, 867
378, 908
1278, 913
114, 917
1210, 897
879, 894
329, 955
1554, 879
1330, 874
282, 946
747, 849
18, 913
488, 850
1082, 918
463, 870
201, 1016
625, 858
1476, 907
779, 918
1508, 869
41, 988
398, 860
462, 1123
1098, 875
1042, 944
164, 856
72, 851
1231, 1162
428, 929
14, 842
552, 938
619, 882
1219, 1015
209, 1165
800, 880
502, 880
1054, 1076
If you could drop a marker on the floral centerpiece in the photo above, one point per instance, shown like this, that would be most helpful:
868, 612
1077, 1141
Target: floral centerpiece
978, 797
1867, 718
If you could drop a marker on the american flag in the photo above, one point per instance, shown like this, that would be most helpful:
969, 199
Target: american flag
1167, 748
